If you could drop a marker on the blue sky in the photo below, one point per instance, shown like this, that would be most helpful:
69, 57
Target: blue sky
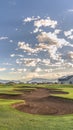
36, 39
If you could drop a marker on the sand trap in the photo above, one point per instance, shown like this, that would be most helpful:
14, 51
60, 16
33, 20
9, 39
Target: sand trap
42, 102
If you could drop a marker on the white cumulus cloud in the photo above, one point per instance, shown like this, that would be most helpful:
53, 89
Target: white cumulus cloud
68, 33
45, 23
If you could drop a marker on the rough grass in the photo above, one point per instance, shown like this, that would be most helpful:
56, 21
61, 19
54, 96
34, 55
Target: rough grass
11, 119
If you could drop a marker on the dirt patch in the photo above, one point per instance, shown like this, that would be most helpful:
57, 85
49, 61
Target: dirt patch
42, 102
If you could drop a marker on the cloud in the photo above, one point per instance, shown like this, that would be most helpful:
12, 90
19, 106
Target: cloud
70, 37
53, 71
28, 61
57, 31
47, 42
52, 39
53, 44
43, 71
11, 41
33, 62
70, 10
47, 37
7, 64
50, 56
2, 69
19, 55
20, 70
39, 22
29, 19
3, 38
25, 46
69, 64
50, 43
38, 69
30, 75
46, 61
12, 69
45, 23
70, 54
18, 62
68, 33
36, 30
47, 75
12, 55
16, 55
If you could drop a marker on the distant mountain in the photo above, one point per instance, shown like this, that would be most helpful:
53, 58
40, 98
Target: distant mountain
40, 80
66, 79
7, 81
4, 81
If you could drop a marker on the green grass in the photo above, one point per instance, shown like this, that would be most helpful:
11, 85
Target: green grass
69, 95
12, 119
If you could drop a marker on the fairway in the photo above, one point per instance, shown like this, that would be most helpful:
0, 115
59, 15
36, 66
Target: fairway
14, 119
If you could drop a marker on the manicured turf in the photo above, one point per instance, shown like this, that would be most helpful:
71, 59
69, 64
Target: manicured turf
12, 119
69, 96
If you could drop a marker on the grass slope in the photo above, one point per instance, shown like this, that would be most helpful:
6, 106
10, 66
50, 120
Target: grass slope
11, 119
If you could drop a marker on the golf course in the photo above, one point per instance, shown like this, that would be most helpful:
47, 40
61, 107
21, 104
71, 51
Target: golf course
36, 107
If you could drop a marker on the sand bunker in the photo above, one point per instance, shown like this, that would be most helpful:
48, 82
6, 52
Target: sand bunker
42, 102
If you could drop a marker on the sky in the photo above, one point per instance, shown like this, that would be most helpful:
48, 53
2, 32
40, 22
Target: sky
36, 39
